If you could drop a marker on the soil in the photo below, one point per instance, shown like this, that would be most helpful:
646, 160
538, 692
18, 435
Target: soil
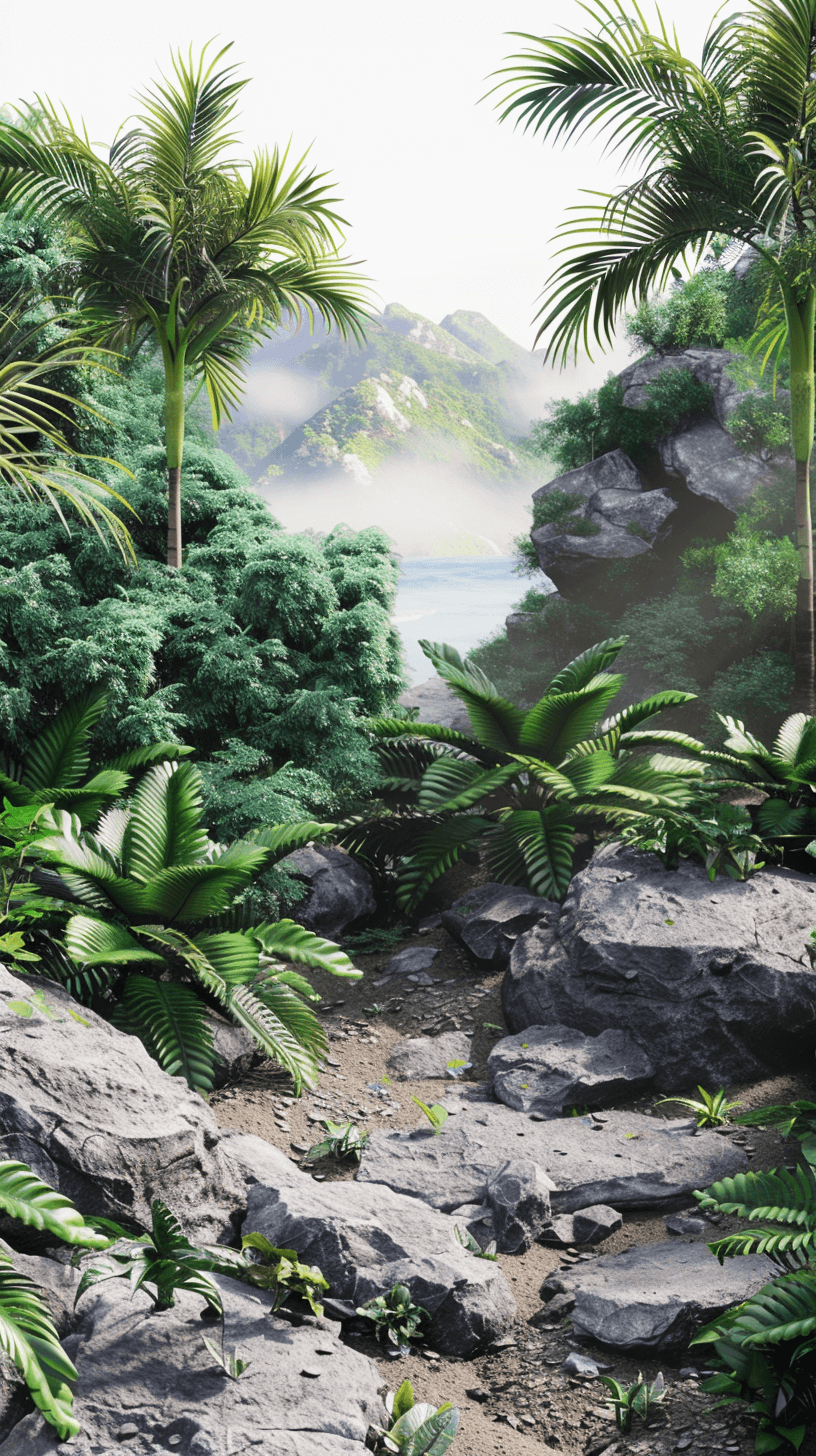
515, 1398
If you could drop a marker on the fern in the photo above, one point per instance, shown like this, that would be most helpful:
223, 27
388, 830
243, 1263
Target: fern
172, 1023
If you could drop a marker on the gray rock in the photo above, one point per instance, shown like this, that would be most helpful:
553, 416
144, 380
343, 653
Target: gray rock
707, 365
340, 891
577, 1364
518, 1195
655, 1297
411, 961
678, 1223
154, 1372
365, 1239
236, 1052
550, 1069
630, 1161
594, 1224
706, 458
428, 1056
712, 980
99, 1120
489, 920
437, 703
625, 521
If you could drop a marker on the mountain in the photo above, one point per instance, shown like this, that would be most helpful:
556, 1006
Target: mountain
419, 411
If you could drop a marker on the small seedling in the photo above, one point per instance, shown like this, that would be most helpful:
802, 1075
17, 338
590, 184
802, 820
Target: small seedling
376, 1010
637, 1399
457, 1067
436, 1115
282, 1272
395, 1315
230, 1364
343, 1140
468, 1242
414, 1426
491, 1026
711, 1111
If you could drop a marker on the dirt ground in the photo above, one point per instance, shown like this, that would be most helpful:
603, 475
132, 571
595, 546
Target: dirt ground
515, 1398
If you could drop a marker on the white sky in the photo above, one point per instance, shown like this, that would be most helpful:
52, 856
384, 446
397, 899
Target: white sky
448, 208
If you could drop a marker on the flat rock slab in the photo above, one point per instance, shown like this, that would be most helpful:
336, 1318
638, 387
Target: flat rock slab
91, 1112
490, 918
628, 1161
428, 1056
655, 1297
365, 1239
154, 1372
550, 1069
411, 961
712, 980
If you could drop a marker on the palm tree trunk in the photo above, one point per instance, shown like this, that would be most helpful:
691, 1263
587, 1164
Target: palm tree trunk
174, 441
801, 316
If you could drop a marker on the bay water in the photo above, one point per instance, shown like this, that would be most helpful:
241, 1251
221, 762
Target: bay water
460, 600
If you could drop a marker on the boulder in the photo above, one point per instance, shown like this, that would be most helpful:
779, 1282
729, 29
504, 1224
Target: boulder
614, 519
437, 703
627, 1160
365, 1239
93, 1115
706, 458
411, 961
585, 1226
145, 1379
490, 918
712, 980
518, 1196
550, 1069
707, 365
339, 890
655, 1297
428, 1056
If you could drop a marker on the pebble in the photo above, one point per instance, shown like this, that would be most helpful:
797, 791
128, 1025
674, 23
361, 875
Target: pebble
576, 1364
311, 1373
127, 1431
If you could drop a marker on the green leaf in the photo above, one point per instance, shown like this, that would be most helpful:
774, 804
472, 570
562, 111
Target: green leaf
533, 847
24, 1196
282, 839
172, 1023
30, 1340
403, 1400
93, 942
291, 941
435, 851
451, 785
496, 723
59, 755
165, 827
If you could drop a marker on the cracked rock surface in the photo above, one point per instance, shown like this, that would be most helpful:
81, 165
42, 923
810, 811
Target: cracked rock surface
712, 980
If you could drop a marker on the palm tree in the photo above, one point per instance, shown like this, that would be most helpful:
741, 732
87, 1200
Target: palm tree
36, 459
724, 147
180, 244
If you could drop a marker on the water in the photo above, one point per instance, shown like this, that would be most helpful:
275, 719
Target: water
455, 599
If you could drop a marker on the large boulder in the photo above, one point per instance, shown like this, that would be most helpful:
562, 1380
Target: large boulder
365, 1239
708, 366
657, 1296
551, 1069
93, 1115
148, 1382
613, 519
712, 980
624, 1159
490, 918
436, 702
339, 890
705, 457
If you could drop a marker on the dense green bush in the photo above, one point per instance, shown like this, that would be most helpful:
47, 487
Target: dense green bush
708, 310
577, 431
760, 427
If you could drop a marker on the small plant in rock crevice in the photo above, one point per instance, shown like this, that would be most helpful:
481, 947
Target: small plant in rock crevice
638, 1399
711, 1109
473, 1246
415, 1428
343, 1140
436, 1114
395, 1316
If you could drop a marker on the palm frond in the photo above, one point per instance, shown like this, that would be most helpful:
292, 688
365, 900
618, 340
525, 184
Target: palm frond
294, 943
535, 848
59, 756
30, 1340
435, 850
165, 826
172, 1023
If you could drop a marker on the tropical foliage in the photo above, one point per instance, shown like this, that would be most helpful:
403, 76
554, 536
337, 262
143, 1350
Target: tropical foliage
785, 773
161, 933
176, 242
28, 1336
723, 150
764, 1348
524, 781
416, 1428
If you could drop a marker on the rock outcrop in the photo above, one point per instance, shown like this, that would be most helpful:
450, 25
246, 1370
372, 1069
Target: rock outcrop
713, 981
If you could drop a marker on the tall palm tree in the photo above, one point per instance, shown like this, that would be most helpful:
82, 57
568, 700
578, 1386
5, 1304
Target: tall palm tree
177, 242
723, 147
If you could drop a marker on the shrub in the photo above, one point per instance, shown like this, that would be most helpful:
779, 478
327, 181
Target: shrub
576, 432
759, 427
757, 572
696, 311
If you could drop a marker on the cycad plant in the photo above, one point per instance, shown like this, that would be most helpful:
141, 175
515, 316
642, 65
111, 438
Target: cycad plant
721, 147
28, 1336
160, 934
786, 773
181, 245
765, 1348
525, 780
